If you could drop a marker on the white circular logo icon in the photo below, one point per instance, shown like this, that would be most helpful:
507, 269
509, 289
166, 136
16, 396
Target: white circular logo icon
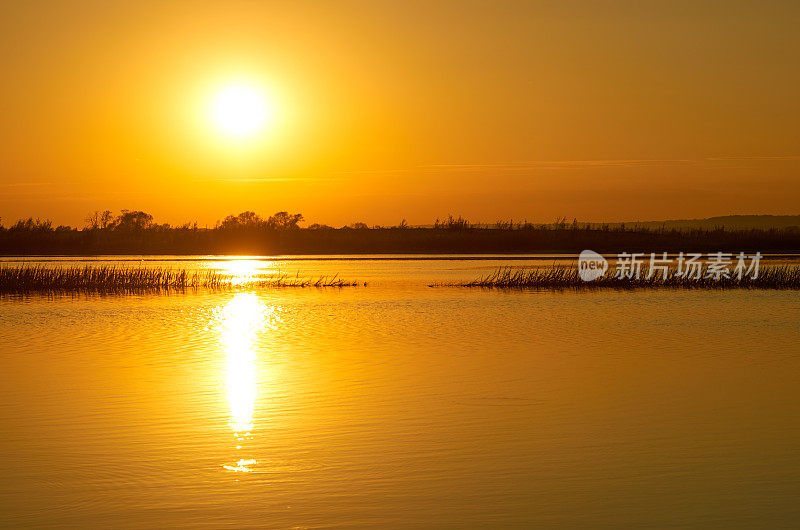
591, 265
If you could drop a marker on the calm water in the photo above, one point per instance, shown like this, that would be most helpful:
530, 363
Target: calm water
399, 405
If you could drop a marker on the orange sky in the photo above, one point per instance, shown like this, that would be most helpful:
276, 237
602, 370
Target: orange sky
385, 110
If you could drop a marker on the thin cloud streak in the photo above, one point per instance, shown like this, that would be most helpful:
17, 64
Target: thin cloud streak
569, 164
24, 184
536, 164
270, 179
766, 158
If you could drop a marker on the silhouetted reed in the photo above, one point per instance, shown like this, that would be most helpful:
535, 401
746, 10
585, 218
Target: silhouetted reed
560, 276
284, 280
111, 278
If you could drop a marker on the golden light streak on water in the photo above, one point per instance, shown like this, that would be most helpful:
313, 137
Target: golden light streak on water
241, 319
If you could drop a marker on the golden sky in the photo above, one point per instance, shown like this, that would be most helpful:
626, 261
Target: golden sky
382, 110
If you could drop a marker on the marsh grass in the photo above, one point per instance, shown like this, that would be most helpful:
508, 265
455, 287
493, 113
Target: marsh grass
562, 276
284, 280
111, 278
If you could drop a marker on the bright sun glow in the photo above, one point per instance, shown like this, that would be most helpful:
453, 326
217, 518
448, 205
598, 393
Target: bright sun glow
240, 111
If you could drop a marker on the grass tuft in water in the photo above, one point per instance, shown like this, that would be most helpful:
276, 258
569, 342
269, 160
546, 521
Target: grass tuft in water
112, 278
558, 276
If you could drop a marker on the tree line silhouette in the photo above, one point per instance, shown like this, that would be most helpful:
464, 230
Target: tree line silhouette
136, 232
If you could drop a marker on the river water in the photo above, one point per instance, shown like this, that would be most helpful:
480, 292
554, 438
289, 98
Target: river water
397, 405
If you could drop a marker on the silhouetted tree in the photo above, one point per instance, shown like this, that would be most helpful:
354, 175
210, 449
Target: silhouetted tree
245, 220
92, 221
284, 221
453, 223
101, 220
29, 225
106, 219
133, 220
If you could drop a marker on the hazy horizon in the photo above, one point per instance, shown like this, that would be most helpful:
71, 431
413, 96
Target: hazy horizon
762, 218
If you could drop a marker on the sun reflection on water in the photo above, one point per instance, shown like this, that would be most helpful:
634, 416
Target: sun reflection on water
241, 320
244, 271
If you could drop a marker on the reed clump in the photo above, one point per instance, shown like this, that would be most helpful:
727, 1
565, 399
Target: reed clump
284, 280
559, 277
111, 278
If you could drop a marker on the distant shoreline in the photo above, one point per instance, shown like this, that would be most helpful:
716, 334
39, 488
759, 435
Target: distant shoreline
435, 243
134, 233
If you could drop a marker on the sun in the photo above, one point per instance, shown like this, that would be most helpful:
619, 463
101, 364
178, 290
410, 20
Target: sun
240, 111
